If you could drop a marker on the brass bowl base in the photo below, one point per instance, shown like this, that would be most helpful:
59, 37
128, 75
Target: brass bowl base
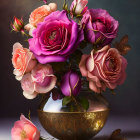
73, 125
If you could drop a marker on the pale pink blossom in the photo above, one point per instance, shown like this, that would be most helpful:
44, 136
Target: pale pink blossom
79, 6
23, 60
28, 86
40, 80
24, 129
104, 68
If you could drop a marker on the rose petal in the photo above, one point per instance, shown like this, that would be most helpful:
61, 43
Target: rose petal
16, 46
53, 6
36, 135
75, 83
94, 79
123, 73
29, 96
65, 84
18, 74
27, 84
15, 132
28, 27
47, 88
56, 16
82, 65
93, 87
90, 63
50, 58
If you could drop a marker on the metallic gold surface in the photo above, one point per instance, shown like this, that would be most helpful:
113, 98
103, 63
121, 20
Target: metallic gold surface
73, 125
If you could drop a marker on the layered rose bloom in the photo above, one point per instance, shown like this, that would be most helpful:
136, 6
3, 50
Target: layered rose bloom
23, 60
38, 16
79, 6
40, 80
100, 28
24, 129
70, 84
104, 68
55, 38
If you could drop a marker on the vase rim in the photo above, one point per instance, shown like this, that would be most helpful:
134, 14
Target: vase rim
107, 109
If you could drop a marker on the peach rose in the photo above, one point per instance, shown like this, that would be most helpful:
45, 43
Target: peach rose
38, 16
40, 80
104, 68
24, 129
23, 60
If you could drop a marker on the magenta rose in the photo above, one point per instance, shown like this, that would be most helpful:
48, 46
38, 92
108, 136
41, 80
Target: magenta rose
104, 68
70, 84
100, 28
55, 38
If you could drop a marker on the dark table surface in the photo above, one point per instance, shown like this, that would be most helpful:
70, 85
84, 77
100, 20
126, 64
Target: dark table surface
130, 127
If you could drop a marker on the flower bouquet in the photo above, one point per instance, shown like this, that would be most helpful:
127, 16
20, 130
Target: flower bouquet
55, 66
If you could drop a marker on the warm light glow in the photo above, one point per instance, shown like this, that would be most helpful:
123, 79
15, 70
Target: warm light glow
98, 125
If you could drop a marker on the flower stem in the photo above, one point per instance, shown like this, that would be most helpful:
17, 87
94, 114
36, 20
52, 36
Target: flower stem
23, 32
77, 104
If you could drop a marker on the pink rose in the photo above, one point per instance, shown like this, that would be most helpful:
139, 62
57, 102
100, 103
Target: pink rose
23, 60
24, 129
40, 80
104, 68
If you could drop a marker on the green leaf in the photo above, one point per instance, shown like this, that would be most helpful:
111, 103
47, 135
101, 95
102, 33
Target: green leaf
84, 102
66, 100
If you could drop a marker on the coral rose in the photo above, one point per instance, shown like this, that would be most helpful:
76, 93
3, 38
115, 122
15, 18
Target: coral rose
104, 68
17, 25
55, 38
23, 60
24, 129
40, 13
100, 28
40, 80
38, 16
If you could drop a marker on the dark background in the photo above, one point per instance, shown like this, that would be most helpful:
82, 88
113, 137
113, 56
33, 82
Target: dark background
127, 98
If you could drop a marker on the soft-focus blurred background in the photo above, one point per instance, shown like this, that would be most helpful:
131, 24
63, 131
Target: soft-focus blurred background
126, 102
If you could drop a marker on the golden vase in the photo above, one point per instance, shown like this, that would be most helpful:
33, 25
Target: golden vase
65, 125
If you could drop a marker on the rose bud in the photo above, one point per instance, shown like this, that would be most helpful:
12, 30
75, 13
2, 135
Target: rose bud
70, 84
17, 25
24, 129
78, 7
